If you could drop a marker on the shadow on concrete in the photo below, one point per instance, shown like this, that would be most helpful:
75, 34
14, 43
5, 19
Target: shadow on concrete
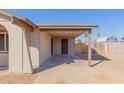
55, 61
95, 57
97, 63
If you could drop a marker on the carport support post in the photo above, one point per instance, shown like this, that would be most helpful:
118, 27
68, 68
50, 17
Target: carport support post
89, 48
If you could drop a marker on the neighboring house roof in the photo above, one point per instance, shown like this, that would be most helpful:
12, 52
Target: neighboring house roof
4, 12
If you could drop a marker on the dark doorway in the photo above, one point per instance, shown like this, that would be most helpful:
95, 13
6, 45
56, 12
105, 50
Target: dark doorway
64, 46
51, 47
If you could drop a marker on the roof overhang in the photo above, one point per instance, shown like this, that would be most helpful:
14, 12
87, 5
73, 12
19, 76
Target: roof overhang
66, 31
4, 12
67, 27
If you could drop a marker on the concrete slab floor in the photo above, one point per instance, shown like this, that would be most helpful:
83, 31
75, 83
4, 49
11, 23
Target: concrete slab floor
75, 70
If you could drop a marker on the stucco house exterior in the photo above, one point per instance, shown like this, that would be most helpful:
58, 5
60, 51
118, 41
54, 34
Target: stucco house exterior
24, 45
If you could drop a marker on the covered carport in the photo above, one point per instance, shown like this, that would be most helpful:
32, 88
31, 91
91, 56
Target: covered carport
62, 38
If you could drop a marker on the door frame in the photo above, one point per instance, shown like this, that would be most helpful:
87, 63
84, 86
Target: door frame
64, 51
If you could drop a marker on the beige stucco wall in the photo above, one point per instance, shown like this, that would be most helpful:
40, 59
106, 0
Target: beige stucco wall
115, 48
45, 46
35, 48
71, 46
109, 48
18, 55
28, 47
56, 46
26, 52
3, 59
15, 47
81, 48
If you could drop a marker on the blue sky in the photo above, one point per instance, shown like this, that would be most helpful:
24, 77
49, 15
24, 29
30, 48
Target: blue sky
111, 22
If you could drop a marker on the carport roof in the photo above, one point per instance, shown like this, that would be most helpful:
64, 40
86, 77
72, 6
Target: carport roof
67, 26
66, 30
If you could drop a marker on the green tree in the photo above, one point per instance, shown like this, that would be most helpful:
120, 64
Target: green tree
78, 41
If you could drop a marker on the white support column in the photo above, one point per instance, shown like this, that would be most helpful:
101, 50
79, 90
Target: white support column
71, 46
89, 48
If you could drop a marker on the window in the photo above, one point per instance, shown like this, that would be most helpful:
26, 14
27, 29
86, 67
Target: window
3, 42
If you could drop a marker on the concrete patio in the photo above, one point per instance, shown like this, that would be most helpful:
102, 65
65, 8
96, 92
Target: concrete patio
73, 70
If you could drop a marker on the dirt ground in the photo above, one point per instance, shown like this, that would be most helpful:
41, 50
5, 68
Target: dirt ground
7, 78
73, 70
17, 79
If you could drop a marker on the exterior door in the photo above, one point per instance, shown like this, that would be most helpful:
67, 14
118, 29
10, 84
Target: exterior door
51, 47
64, 46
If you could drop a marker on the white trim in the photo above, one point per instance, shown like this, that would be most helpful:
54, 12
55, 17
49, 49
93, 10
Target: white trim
3, 51
3, 32
89, 48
